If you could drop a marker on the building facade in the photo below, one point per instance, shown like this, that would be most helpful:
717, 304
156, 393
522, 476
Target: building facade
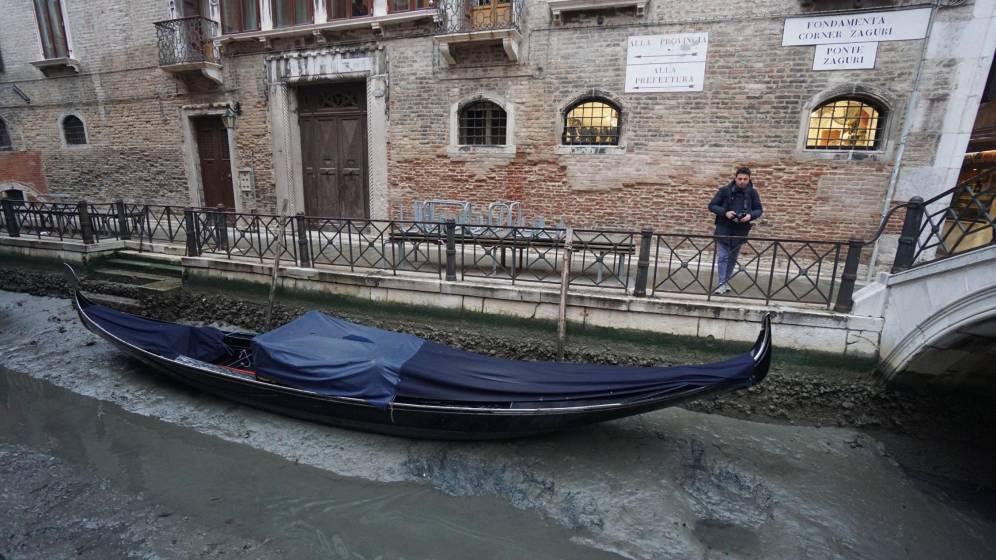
600, 113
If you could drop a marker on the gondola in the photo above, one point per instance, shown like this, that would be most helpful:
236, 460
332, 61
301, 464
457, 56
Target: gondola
321, 368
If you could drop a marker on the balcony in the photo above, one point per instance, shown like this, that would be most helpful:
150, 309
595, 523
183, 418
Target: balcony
477, 21
186, 46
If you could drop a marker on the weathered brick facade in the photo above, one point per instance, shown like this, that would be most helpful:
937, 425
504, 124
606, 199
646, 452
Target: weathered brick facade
675, 148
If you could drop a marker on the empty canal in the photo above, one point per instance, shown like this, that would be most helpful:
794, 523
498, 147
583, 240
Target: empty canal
102, 459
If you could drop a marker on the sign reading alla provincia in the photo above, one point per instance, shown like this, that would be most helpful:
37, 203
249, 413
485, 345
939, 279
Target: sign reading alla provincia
857, 27
666, 63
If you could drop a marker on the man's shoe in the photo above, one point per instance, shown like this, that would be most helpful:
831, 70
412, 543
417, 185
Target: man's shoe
721, 289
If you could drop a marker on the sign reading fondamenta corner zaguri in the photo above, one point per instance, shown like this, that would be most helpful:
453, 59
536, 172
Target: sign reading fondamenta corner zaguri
857, 27
666, 63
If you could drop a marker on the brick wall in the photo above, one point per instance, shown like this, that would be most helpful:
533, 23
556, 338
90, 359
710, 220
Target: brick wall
678, 148
24, 168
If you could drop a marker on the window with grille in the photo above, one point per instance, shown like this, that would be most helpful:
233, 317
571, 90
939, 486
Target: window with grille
395, 6
482, 123
845, 124
341, 9
52, 28
239, 15
72, 128
4, 136
592, 122
287, 13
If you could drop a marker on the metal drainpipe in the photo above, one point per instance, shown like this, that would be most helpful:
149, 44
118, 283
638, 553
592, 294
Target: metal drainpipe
903, 136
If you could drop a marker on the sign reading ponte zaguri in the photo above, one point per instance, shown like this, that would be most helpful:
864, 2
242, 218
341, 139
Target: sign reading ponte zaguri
666, 63
857, 27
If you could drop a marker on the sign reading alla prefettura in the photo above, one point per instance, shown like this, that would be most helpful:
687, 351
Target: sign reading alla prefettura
666, 63
857, 27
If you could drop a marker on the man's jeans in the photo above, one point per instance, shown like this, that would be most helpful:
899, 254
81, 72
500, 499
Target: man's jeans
728, 249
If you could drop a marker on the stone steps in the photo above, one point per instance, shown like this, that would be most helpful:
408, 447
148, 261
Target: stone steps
148, 273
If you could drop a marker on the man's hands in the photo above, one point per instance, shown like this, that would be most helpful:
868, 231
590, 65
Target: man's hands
731, 215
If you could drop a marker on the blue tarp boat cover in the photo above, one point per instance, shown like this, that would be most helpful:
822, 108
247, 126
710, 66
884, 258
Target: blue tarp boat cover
165, 339
334, 357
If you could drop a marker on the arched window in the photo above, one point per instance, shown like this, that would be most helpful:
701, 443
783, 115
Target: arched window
592, 122
4, 136
73, 130
482, 123
845, 124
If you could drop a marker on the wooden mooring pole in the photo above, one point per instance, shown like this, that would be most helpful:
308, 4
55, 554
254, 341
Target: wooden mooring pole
565, 281
276, 265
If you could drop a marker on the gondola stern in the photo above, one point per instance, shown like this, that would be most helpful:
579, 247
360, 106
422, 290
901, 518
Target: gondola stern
762, 351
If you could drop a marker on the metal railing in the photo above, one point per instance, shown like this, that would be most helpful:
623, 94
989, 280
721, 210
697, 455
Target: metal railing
186, 40
767, 268
464, 16
930, 233
638, 263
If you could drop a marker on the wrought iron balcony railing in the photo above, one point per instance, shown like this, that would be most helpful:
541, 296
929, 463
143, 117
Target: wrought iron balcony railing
186, 40
465, 16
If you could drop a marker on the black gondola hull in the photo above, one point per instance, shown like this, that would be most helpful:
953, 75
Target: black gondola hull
432, 421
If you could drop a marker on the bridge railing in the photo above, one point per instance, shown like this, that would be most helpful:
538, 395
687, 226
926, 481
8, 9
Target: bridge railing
933, 229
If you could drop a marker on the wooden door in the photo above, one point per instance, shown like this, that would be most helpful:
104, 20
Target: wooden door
216, 168
333, 122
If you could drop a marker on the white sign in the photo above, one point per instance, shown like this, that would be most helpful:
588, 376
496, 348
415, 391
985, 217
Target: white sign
857, 27
849, 56
666, 63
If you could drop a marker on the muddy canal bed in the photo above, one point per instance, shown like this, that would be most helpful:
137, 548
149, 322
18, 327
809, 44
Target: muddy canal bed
675, 483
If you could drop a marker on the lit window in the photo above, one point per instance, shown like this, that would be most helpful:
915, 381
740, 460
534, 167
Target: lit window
845, 124
592, 122
52, 28
72, 128
482, 124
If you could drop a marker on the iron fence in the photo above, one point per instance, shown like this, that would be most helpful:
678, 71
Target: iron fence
465, 16
967, 222
638, 263
186, 40
767, 269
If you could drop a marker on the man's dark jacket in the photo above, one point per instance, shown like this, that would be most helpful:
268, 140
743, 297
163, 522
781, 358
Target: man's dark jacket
740, 201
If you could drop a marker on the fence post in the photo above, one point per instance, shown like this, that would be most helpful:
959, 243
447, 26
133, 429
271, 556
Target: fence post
908, 238
450, 250
10, 218
643, 264
221, 227
844, 295
124, 232
188, 218
86, 224
303, 243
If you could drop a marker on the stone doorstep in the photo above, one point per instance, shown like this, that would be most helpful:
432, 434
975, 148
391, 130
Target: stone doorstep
156, 268
802, 315
125, 276
117, 302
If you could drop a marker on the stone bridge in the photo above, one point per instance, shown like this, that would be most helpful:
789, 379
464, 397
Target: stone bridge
938, 318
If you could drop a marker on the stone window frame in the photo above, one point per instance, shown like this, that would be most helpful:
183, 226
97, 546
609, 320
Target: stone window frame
6, 138
62, 131
454, 147
592, 94
888, 109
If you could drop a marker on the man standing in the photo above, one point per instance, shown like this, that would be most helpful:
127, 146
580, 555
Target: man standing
736, 206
